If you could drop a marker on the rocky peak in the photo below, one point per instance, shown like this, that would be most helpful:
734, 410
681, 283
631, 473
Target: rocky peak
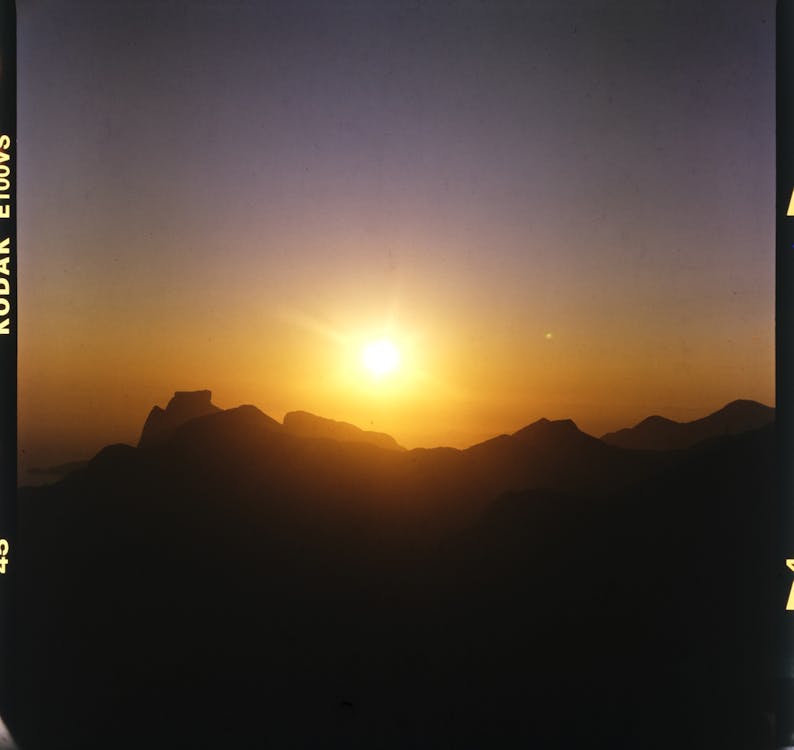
183, 406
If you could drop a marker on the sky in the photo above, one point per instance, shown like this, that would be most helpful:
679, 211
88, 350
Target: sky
553, 209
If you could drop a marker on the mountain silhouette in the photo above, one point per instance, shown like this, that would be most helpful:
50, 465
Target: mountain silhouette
659, 433
558, 431
540, 589
304, 424
555, 454
184, 406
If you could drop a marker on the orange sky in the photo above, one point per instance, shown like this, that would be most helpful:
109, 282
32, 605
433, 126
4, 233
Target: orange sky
206, 215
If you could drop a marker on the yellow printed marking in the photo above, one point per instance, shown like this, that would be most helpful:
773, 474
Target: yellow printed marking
790, 603
790, 211
3, 553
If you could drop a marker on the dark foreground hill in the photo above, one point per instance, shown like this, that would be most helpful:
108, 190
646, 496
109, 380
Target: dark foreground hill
236, 586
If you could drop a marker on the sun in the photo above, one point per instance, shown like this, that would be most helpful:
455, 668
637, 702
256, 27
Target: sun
380, 357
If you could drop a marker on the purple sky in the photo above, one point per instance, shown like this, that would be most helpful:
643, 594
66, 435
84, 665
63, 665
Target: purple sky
233, 195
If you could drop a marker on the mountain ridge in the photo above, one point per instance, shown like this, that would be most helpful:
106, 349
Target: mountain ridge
660, 433
308, 425
654, 432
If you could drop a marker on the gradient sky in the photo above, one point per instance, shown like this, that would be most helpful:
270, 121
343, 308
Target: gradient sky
235, 196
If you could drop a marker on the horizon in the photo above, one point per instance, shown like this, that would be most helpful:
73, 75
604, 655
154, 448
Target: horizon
36, 470
547, 213
524, 424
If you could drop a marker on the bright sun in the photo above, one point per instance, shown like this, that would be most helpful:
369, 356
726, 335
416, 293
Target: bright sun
380, 357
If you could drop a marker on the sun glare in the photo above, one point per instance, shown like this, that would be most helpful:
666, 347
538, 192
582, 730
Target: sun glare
380, 357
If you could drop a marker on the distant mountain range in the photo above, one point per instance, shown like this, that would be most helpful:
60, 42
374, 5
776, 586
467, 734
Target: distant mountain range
309, 584
653, 433
659, 433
